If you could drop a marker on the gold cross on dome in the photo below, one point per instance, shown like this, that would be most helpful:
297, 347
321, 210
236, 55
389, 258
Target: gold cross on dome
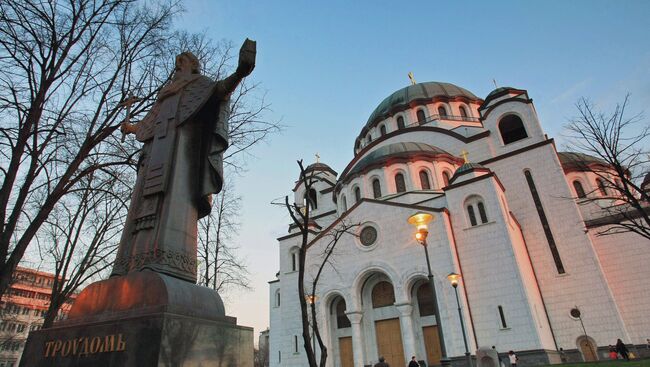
317, 158
412, 78
464, 155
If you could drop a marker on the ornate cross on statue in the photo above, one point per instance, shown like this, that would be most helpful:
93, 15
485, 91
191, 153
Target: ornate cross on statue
317, 158
127, 103
412, 78
464, 155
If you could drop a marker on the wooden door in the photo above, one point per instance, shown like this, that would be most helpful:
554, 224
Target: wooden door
587, 350
345, 351
432, 345
389, 341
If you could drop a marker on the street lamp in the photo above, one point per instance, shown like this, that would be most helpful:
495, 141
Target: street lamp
454, 279
421, 220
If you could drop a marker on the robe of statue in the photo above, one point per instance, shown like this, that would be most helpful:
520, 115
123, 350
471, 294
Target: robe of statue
180, 167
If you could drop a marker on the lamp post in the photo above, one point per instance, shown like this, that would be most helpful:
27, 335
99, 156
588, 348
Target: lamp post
454, 279
421, 220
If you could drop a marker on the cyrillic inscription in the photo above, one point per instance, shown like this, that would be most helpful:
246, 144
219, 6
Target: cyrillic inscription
85, 346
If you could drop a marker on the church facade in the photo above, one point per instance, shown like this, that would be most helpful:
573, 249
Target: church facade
512, 215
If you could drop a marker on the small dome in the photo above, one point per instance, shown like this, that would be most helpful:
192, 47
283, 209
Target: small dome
420, 91
466, 167
318, 166
381, 155
578, 161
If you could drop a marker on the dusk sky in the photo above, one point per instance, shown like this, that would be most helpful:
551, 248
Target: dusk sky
326, 65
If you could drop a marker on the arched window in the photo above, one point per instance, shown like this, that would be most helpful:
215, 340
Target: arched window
442, 111
400, 185
424, 180
463, 111
580, 191
277, 298
512, 129
446, 178
481, 212
357, 194
295, 259
601, 187
472, 216
382, 130
311, 199
342, 320
383, 295
421, 117
376, 188
502, 316
400, 122
344, 203
425, 300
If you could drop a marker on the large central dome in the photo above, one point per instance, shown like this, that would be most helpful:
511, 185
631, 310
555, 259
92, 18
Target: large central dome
423, 92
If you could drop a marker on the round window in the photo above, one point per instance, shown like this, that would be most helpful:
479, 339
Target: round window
368, 236
575, 313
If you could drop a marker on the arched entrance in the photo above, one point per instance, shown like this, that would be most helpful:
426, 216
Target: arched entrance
424, 317
341, 332
381, 320
588, 348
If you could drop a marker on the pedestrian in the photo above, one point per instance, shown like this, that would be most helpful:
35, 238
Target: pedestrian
647, 343
562, 356
413, 362
513, 359
381, 362
613, 355
622, 350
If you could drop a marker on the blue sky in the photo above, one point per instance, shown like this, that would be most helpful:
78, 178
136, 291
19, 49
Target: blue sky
326, 65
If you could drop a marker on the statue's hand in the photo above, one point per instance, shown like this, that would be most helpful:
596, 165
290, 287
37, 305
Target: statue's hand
247, 58
128, 128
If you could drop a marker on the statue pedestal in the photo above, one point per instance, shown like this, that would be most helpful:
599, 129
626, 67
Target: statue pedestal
143, 319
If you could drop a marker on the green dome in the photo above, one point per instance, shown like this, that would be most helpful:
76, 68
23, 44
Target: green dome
420, 91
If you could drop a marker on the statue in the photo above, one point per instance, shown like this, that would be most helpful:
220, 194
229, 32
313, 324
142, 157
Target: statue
184, 134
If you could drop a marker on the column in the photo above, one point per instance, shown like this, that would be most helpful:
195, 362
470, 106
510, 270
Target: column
357, 336
406, 323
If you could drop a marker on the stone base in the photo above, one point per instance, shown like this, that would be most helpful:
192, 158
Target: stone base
143, 319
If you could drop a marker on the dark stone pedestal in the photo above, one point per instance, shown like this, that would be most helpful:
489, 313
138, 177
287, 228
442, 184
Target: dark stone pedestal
154, 320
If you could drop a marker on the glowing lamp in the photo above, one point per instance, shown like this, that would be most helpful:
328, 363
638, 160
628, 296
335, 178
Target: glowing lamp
421, 220
454, 279
311, 298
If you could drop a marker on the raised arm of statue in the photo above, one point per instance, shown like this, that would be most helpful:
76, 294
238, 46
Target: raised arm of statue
244, 68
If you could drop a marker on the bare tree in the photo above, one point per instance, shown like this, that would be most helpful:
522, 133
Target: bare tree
622, 143
81, 236
301, 217
220, 268
261, 356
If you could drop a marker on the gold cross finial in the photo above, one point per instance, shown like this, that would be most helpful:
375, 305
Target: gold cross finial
317, 158
412, 78
464, 155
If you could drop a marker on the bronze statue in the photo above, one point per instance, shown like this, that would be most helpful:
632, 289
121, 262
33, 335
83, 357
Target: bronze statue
184, 134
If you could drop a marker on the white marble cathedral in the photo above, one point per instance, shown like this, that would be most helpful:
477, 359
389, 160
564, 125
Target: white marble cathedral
511, 222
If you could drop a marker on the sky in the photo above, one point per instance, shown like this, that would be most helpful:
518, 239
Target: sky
325, 66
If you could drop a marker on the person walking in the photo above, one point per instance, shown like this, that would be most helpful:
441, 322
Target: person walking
622, 350
413, 362
381, 362
513, 358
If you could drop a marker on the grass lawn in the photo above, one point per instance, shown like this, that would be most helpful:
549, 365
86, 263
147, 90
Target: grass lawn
633, 363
